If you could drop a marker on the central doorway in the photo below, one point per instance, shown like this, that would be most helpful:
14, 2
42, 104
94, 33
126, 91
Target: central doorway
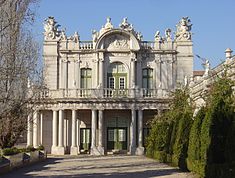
117, 138
117, 133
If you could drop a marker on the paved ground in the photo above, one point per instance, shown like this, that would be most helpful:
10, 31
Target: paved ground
103, 167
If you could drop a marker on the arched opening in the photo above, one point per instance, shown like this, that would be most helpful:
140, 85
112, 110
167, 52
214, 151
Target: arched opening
117, 78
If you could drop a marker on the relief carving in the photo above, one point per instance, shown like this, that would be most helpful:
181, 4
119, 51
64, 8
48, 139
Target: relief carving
117, 42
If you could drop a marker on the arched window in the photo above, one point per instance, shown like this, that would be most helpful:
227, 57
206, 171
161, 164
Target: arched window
148, 78
117, 76
86, 78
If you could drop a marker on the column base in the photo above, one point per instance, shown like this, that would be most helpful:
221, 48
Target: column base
54, 150
57, 150
74, 150
132, 150
139, 151
101, 150
95, 151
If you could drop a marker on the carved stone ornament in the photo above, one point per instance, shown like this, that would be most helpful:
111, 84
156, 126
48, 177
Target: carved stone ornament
183, 29
75, 38
126, 25
168, 34
108, 26
51, 29
63, 35
157, 37
95, 35
117, 42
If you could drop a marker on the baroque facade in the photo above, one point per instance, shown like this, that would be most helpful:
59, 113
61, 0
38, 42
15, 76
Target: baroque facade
102, 93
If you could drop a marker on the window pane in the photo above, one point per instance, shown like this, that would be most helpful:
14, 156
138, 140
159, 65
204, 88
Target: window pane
150, 84
150, 72
88, 72
83, 72
111, 82
121, 82
145, 83
88, 82
145, 73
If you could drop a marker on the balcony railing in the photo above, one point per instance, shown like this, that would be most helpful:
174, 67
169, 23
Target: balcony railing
106, 93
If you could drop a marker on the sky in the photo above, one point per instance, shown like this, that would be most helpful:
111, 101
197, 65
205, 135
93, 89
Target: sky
213, 20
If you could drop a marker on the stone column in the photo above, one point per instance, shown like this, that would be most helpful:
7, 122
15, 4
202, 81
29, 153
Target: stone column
41, 128
77, 73
133, 132
35, 129
170, 75
94, 150
78, 122
101, 73
101, 132
74, 148
65, 73
30, 130
54, 132
140, 149
133, 72
60, 149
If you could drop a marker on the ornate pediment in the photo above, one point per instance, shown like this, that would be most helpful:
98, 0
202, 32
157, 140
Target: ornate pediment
117, 42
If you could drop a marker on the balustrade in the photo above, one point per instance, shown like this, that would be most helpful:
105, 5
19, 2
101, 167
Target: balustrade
106, 93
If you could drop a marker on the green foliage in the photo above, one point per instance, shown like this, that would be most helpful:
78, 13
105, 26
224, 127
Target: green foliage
10, 151
194, 148
212, 155
168, 139
30, 149
180, 147
40, 147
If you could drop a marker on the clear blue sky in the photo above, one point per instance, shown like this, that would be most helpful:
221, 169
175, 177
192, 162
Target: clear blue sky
213, 20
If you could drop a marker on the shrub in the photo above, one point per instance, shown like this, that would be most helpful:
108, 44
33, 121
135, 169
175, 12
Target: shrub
194, 148
30, 149
10, 151
40, 147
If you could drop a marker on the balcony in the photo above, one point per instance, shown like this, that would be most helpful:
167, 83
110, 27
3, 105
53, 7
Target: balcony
106, 93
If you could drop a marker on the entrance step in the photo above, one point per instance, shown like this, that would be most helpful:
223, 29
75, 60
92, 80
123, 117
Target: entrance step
114, 152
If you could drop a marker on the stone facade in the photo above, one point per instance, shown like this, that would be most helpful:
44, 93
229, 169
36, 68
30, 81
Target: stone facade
101, 93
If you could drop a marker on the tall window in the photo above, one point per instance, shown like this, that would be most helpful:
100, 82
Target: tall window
86, 78
148, 78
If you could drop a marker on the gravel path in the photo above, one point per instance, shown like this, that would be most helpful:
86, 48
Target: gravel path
103, 167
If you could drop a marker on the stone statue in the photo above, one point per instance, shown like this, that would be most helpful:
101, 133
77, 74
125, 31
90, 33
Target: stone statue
51, 29
168, 34
76, 37
126, 25
185, 80
183, 29
108, 25
95, 35
157, 37
206, 65
139, 36
63, 35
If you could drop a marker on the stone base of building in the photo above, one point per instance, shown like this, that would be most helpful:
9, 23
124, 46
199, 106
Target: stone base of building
140, 151
57, 150
101, 150
74, 151
132, 150
97, 151
54, 150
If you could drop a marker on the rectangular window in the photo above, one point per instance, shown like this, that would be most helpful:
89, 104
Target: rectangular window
111, 82
122, 83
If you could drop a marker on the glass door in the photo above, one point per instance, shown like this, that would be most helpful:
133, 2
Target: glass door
117, 138
85, 139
